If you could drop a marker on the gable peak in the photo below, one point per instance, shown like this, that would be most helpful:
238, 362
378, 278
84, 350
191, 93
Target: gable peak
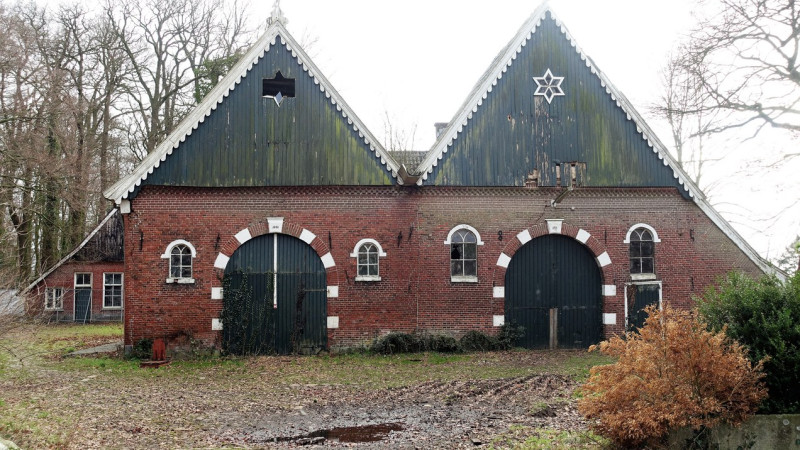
277, 15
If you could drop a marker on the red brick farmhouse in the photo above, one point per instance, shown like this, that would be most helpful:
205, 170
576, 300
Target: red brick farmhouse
273, 216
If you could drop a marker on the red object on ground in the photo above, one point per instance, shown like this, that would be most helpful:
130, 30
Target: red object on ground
159, 350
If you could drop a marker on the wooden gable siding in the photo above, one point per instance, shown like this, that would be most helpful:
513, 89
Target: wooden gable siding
251, 141
514, 132
107, 243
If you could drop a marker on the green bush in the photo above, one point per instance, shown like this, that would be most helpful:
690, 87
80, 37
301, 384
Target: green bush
509, 335
475, 341
439, 343
143, 349
393, 343
506, 339
763, 315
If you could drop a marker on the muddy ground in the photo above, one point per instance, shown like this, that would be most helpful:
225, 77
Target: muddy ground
499, 399
461, 414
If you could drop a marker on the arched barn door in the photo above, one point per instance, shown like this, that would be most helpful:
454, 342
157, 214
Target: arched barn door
553, 282
275, 298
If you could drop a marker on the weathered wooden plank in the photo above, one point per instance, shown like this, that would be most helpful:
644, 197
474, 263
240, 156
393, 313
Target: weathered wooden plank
249, 140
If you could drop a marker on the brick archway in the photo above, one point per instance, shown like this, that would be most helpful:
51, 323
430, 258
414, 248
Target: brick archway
601, 256
281, 226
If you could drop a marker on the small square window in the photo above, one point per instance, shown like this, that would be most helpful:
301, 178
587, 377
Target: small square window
83, 280
278, 88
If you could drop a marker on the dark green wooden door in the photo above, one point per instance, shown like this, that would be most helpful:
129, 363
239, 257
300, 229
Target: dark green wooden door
275, 298
83, 304
640, 297
551, 276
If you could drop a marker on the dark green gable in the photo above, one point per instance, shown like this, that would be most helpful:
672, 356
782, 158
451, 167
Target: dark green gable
514, 132
248, 140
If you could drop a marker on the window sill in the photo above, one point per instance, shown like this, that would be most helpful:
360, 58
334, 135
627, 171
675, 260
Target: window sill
463, 279
368, 278
111, 308
180, 280
643, 276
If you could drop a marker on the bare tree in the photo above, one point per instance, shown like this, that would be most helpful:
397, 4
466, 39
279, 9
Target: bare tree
166, 45
57, 91
736, 75
79, 90
686, 108
744, 57
397, 138
21, 105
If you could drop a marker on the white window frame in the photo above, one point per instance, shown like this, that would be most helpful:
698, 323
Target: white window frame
76, 286
56, 294
460, 227
381, 254
168, 254
642, 276
83, 285
641, 225
121, 289
633, 285
448, 242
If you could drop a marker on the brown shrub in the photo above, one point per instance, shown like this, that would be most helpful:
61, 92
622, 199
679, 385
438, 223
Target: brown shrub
673, 373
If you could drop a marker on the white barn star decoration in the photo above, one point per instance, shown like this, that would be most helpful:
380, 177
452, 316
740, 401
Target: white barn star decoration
548, 86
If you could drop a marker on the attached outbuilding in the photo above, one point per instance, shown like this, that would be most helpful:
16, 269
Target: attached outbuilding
272, 220
88, 284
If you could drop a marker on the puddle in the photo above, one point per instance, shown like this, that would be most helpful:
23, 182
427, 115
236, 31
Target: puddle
364, 433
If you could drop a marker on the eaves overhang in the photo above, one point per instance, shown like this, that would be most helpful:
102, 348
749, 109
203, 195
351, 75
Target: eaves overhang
73, 252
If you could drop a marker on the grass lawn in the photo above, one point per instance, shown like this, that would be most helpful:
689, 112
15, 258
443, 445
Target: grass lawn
49, 400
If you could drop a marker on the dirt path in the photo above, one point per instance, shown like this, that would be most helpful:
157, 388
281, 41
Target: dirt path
425, 400
218, 407
430, 415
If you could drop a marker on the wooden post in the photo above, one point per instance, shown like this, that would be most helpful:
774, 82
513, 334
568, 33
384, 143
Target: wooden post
553, 328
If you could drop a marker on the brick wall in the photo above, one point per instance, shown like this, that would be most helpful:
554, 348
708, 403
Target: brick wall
64, 277
411, 224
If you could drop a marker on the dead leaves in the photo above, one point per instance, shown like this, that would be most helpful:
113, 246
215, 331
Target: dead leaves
673, 373
441, 401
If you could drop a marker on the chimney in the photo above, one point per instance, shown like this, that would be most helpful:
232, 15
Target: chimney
440, 126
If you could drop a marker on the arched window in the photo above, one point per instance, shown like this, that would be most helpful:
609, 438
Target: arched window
180, 262
368, 260
463, 241
642, 250
463, 255
368, 253
181, 255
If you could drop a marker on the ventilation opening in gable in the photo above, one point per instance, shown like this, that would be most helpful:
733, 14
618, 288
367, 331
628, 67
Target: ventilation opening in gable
278, 88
